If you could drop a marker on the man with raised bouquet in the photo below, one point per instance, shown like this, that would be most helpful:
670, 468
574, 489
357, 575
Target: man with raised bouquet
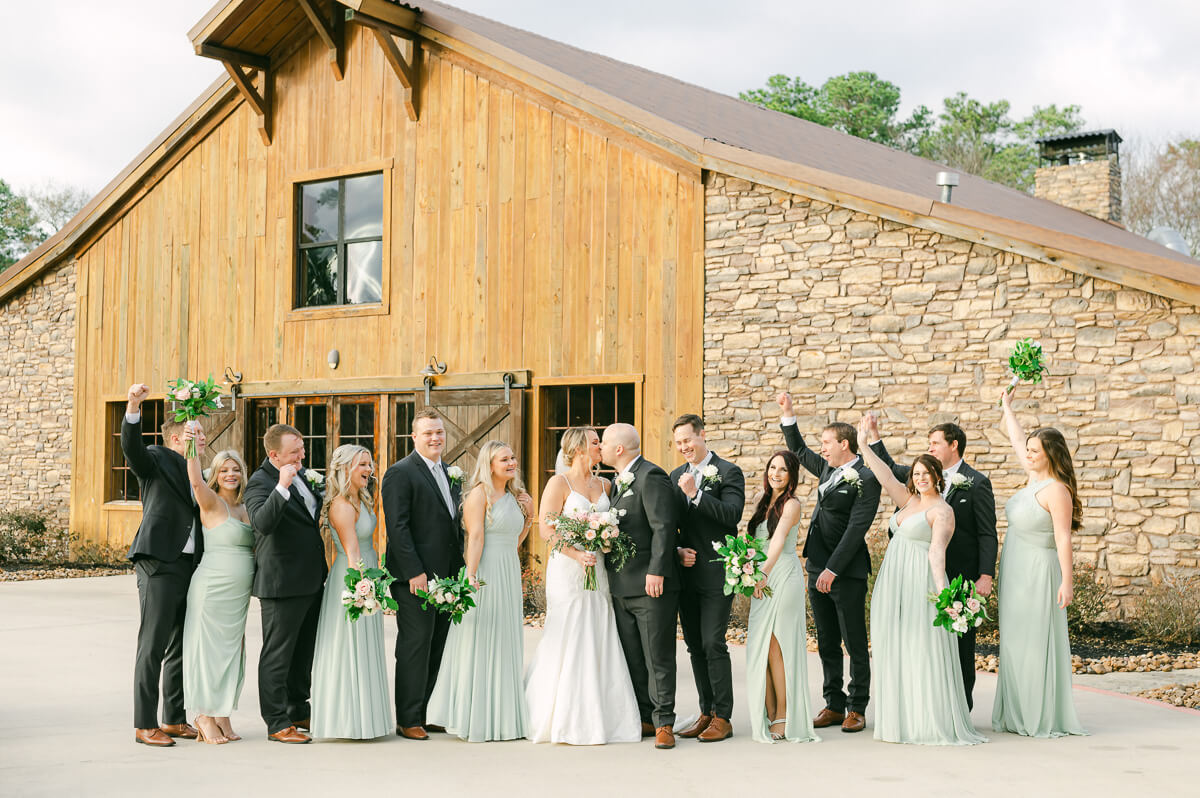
710, 493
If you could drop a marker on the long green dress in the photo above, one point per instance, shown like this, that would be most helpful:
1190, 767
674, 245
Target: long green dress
782, 615
1033, 691
350, 698
214, 629
480, 690
918, 679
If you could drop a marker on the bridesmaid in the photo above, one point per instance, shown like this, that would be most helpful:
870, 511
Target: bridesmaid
214, 629
918, 679
480, 695
349, 679
777, 644
1033, 691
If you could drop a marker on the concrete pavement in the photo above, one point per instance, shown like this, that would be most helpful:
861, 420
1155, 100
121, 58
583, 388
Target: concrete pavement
66, 653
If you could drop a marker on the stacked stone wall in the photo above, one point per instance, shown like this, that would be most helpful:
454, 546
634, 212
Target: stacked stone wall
1093, 187
851, 313
37, 390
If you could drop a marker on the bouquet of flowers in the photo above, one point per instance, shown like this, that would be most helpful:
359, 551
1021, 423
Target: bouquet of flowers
366, 591
193, 400
1027, 363
959, 606
743, 558
451, 594
594, 531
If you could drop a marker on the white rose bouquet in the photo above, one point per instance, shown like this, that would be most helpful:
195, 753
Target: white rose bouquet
743, 558
366, 591
451, 594
193, 400
959, 606
594, 531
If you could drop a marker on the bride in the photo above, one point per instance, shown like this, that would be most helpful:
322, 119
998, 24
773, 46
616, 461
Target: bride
577, 686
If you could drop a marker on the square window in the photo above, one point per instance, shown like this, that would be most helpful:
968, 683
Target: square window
339, 241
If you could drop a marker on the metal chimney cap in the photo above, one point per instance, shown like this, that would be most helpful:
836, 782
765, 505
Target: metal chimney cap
947, 178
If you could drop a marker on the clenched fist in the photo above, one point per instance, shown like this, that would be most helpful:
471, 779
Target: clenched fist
286, 474
137, 394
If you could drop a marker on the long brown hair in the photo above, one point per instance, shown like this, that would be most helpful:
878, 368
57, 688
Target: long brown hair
933, 466
768, 510
1058, 456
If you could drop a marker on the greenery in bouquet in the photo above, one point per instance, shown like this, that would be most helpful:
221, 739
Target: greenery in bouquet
595, 531
451, 594
1027, 363
366, 591
192, 400
742, 557
959, 607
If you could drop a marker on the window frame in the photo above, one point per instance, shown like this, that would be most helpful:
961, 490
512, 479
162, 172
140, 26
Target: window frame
115, 416
543, 449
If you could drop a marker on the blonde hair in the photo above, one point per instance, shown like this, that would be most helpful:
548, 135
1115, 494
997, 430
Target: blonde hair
574, 440
483, 474
214, 472
337, 483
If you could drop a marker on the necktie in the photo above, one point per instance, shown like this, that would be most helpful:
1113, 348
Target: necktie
439, 476
824, 486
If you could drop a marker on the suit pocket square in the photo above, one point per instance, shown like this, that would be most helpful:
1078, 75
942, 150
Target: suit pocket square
962, 501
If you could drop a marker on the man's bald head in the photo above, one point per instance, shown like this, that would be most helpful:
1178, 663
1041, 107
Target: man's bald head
625, 435
619, 445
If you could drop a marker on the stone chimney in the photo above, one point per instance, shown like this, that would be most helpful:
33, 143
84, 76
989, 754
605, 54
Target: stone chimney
1082, 171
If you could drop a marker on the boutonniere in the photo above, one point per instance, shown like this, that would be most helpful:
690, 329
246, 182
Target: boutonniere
623, 483
709, 477
959, 482
315, 481
853, 479
455, 474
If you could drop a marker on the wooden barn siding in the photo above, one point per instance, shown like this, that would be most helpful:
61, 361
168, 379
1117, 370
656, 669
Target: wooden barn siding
520, 235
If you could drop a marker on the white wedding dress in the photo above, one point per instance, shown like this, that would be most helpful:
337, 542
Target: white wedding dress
577, 686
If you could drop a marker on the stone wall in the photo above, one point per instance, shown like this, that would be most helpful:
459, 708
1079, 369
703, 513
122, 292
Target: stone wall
1092, 187
37, 391
853, 313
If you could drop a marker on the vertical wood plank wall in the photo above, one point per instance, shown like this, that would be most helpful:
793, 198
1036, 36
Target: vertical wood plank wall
520, 234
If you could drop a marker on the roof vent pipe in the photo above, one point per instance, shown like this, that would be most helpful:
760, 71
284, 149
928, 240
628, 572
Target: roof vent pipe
947, 180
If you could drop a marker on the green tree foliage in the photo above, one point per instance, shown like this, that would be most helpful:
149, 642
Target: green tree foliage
970, 135
19, 231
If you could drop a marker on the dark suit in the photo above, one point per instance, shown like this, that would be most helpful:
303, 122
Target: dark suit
423, 537
645, 625
290, 558
703, 606
836, 540
169, 516
971, 552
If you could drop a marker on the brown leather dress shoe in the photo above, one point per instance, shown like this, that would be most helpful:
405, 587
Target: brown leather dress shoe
696, 728
304, 725
647, 729
180, 730
412, 732
289, 735
719, 729
434, 728
827, 717
855, 722
155, 737
664, 737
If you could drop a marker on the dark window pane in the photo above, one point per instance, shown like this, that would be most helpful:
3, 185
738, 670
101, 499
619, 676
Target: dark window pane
364, 206
319, 212
404, 417
604, 401
364, 272
579, 399
625, 410
320, 276
312, 422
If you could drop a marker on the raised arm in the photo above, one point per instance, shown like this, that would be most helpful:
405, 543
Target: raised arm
899, 471
474, 514
206, 497
1016, 434
141, 462
265, 503
1058, 502
887, 480
342, 519
812, 462
941, 519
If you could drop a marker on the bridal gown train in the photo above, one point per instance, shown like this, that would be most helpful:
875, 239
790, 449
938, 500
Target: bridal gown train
577, 686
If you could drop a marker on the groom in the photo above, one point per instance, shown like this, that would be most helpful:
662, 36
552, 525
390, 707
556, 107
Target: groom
284, 506
838, 563
645, 591
971, 552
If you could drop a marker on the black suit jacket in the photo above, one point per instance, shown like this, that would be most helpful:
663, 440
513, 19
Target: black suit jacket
288, 550
841, 519
422, 536
971, 552
700, 525
649, 520
169, 512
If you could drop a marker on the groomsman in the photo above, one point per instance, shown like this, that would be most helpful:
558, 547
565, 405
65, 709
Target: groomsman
165, 552
284, 502
424, 541
971, 553
645, 592
838, 563
710, 494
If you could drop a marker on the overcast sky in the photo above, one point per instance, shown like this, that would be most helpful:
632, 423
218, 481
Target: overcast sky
87, 85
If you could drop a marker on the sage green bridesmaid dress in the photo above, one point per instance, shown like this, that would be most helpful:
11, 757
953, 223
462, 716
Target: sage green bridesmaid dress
350, 698
1033, 689
480, 690
781, 615
918, 685
214, 628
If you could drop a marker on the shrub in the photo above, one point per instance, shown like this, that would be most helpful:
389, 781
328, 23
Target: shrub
92, 553
533, 586
1090, 600
1170, 612
27, 537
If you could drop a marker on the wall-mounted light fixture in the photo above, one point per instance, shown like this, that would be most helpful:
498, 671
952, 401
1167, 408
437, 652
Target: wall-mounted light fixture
431, 370
333, 358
